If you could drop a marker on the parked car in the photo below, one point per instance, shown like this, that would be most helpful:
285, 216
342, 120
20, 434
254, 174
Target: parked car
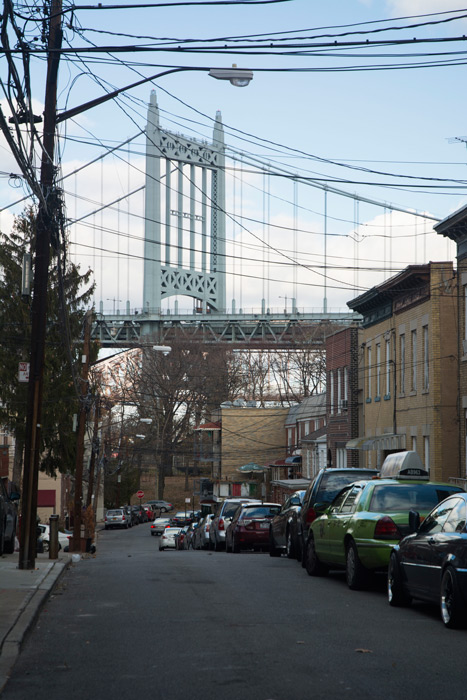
168, 538
9, 496
321, 492
284, 532
181, 537
182, 518
249, 528
116, 518
431, 563
367, 519
44, 536
162, 506
201, 535
159, 525
151, 513
224, 513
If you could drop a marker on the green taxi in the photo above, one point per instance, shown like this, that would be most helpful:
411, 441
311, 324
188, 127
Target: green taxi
367, 518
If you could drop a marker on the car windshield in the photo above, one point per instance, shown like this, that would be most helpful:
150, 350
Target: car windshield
260, 512
331, 483
405, 497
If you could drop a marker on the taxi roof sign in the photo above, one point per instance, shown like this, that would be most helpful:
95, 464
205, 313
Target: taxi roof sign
403, 465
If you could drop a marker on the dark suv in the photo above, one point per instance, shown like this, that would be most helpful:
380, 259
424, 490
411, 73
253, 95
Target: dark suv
8, 516
322, 491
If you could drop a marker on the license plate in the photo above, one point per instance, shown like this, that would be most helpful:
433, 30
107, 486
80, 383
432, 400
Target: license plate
264, 526
114, 518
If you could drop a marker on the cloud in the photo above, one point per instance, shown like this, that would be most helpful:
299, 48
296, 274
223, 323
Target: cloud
419, 7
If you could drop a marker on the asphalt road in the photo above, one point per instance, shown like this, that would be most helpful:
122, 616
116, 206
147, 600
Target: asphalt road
136, 622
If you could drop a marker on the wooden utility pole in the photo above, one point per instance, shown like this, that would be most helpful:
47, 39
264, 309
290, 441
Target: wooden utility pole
94, 449
46, 222
75, 545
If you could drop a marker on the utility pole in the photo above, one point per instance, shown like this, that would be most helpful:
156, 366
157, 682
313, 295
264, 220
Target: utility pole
94, 450
45, 222
78, 503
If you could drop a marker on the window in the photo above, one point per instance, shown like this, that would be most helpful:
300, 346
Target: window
341, 457
339, 390
426, 359
369, 370
352, 500
388, 367
346, 387
414, 443
402, 363
414, 360
438, 519
331, 390
378, 369
456, 518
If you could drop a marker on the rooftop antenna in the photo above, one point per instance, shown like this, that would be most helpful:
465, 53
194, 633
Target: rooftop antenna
457, 139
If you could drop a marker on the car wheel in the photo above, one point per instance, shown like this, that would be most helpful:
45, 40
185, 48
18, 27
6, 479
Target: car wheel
235, 546
273, 550
289, 547
314, 566
9, 547
106, 527
227, 548
161, 549
355, 572
453, 610
396, 594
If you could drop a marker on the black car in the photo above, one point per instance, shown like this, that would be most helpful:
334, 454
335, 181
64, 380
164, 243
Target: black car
431, 563
320, 494
9, 495
284, 531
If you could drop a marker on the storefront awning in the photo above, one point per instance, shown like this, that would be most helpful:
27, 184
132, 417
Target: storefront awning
390, 441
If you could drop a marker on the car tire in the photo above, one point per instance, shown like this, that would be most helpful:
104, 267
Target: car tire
453, 609
161, 549
355, 573
289, 545
9, 547
397, 597
235, 547
314, 566
227, 548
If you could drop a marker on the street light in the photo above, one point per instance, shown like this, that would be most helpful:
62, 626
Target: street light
48, 207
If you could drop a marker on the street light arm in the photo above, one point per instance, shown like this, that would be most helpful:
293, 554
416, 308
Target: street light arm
110, 95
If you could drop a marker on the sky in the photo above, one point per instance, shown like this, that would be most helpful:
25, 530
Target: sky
357, 131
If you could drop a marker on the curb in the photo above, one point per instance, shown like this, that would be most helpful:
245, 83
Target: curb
27, 616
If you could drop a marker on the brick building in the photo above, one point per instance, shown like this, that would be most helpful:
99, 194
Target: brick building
343, 405
243, 434
408, 368
455, 228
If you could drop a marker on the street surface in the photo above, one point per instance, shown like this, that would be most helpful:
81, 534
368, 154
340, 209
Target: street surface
136, 622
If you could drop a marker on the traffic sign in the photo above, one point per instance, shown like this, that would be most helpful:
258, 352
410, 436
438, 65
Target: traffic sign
140, 494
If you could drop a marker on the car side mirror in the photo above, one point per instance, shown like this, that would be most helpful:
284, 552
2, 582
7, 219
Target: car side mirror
414, 520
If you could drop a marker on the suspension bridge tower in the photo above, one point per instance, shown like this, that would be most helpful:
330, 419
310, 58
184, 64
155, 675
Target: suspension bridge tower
184, 241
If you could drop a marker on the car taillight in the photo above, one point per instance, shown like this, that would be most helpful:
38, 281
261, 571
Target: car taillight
221, 524
123, 517
310, 516
386, 529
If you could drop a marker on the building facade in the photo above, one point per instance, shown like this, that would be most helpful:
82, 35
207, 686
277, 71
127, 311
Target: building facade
408, 368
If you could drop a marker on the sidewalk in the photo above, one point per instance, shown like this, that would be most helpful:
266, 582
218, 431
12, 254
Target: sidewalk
22, 594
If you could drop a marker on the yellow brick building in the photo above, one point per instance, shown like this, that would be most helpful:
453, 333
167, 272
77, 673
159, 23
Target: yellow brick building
408, 368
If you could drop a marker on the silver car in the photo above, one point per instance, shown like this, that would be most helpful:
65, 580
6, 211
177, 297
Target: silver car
159, 525
117, 518
201, 534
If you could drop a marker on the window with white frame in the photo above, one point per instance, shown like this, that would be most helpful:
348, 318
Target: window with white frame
414, 443
402, 363
331, 390
341, 457
388, 367
346, 387
378, 369
339, 390
426, 360
414, 359
369, 371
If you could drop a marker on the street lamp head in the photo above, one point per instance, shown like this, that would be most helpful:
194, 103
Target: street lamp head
162, 348
239, 77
